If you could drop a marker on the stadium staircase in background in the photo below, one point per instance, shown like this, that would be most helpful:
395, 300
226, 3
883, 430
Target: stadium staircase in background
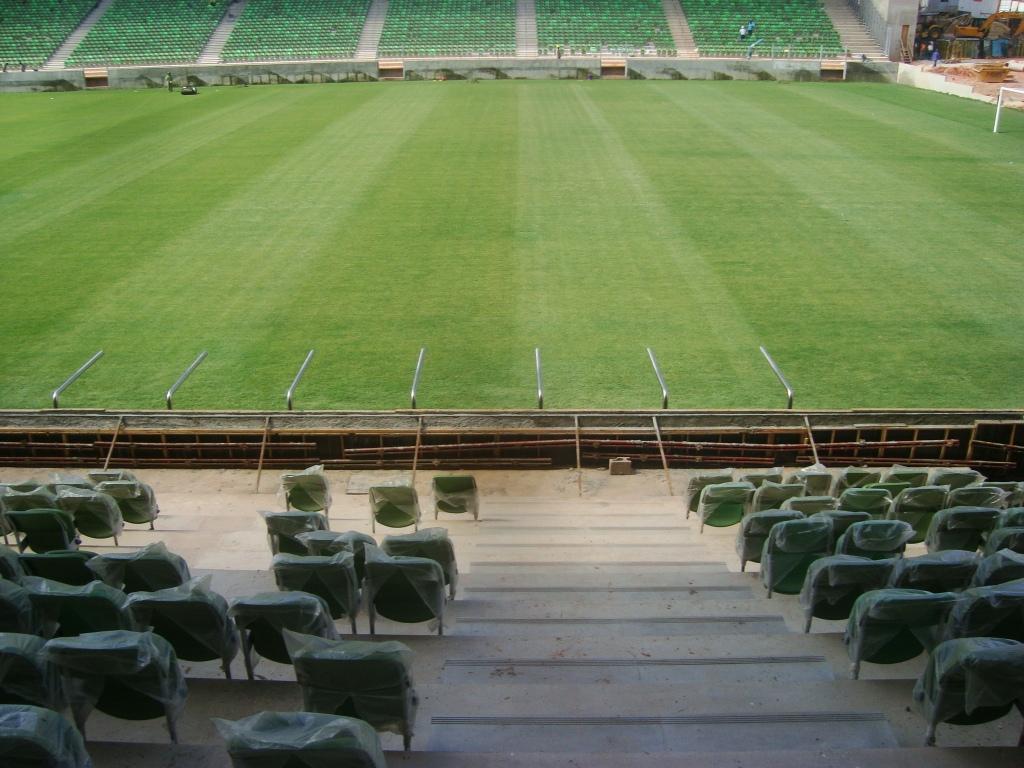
60, 56
854, 35
30, 30
369, 38
215, 45
526, 28
680, 29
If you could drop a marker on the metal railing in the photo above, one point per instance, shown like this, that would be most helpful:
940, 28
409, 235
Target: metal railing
416, 377
55, 395
661, 378
298, 377
540, 378
169, 396
782, 377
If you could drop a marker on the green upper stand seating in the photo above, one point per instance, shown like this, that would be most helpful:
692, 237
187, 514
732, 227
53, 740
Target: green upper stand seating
33, 736
147, 32
449, 28
31, 30
296, 29
789, 29
621, 27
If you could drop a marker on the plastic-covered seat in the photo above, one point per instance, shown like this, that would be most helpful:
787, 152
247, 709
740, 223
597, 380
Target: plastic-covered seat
192, 618
817, 480
699, 482
284, 528
331, 543
149, 569
127, 675
307, 491
969, 681
856, 477
875, 539
65, 566
1012, 518
771, 495
841, 520
26, 677
996, 611
1005, 538
894, 489
949, 571
19, 498
811, 505
35, 737
456, 495
301, 740
261, 618
432, 543
67, 611
834, 583
998, 568
874, 501
914, 476
96, 513
754, 532
1014, 491
332, 578
888, 626
917, 506
370, 681
60, 480
11, 567
43, 530
789, 550
960, 528
955, 477
97, 476
976, 496
724, 504
394, 506
757, 477
409, 590
17, 614
135, 500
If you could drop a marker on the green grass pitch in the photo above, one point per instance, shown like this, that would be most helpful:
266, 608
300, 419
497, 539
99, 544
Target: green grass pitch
869, 235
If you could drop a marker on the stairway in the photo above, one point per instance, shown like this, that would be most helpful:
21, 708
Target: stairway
686, 48
602, 631
854, 36
526, 28
215, 45
60, 56
369, 38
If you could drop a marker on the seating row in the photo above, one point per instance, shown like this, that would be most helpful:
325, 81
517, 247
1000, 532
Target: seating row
424, 27
296, 29
599, 24
801, 26
31, 30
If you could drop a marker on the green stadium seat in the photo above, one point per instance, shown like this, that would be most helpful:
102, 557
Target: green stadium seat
811, 505
961, 528
394, 506
917, 506
67, 611
915, 476
261, 618
32, 30
976, 496
817, 480
995, 611
409, 590
148, 569
65, 566
754, 531
856, 477
955, 477
1005, 538
789, 550
33, 736
332, 578
833, 584
307, 491
875, 539
44, 530
26, 677
456, 495
96, 513
432, 543
949, 571
136, 500
874, 501
699, 482
284, 528
724, 504
771, 495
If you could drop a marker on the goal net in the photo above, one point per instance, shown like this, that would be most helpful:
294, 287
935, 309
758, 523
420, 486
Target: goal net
1008, 97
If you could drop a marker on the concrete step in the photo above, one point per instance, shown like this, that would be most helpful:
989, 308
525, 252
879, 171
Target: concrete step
626, 607
526, 28
65, 49
369, 38
528, 580
553, 566
162, 755
215, 45
680, 29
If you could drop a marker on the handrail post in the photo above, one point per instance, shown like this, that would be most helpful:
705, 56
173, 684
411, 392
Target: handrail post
169, 395
661, 379
55, 395
298, 377
540, 378
781, 376
416, 377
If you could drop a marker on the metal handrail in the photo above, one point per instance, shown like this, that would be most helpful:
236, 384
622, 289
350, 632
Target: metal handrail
416, 376
298, 377
782, 377
661, 378
55, 395
540, 378
169, 396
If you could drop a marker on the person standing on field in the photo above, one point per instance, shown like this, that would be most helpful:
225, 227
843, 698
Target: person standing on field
169, 82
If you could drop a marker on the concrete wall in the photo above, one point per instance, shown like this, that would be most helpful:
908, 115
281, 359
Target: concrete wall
885, 18
574, 68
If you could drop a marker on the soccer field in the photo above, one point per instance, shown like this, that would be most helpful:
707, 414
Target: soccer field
868, 235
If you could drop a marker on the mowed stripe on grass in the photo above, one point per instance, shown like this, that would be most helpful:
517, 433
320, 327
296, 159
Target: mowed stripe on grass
863, 232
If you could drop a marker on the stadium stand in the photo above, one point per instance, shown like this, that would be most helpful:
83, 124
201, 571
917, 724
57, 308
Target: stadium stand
449, 28
602, 26
290, 29
142, 32
795, 28
31, 30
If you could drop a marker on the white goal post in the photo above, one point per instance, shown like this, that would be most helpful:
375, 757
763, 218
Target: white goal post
1019, 92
